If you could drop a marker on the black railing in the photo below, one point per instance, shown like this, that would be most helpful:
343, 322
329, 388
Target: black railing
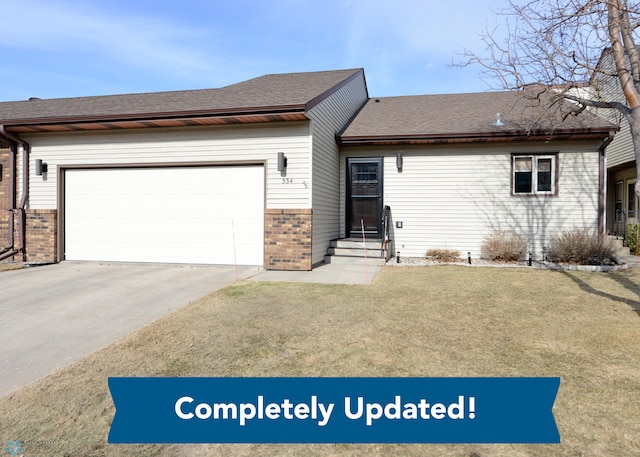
386, 220
621, 225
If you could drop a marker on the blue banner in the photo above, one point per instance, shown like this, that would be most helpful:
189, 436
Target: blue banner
334, 410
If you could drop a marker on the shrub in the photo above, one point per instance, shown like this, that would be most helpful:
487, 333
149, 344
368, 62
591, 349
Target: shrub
633, 233
503, 246
581, 246
444, 255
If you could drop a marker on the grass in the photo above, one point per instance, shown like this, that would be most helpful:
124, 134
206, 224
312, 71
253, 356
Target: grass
423, 321
10, 266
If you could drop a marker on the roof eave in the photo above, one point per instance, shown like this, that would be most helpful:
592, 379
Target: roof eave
156, 115
193, 117
478, 137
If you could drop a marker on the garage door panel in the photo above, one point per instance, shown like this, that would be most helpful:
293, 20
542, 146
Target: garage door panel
174, 215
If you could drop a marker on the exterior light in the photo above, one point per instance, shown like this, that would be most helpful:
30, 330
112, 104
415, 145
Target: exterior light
282, 161
41, 167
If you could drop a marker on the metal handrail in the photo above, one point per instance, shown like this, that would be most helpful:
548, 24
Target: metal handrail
385, 231
621, 217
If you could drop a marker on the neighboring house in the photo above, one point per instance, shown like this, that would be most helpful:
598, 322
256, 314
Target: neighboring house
622, 203
269, 171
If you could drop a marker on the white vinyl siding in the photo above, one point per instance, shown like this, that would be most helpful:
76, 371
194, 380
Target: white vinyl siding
453, 196
211, 145
620, 151
328, 119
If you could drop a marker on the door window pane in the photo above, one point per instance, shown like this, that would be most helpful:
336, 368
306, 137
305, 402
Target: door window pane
365, 210
619, 199
364, 179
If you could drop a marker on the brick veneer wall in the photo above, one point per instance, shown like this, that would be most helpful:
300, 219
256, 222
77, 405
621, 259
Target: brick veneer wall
42, 228
287, 239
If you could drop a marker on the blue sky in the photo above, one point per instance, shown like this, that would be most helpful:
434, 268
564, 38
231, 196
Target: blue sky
69, 48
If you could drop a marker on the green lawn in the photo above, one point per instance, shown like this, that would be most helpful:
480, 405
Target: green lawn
412, 321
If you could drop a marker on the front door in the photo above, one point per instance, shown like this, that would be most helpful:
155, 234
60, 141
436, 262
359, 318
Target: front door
364, 197
632, 202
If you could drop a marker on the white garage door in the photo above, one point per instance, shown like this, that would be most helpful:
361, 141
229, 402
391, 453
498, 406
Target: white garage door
208, 215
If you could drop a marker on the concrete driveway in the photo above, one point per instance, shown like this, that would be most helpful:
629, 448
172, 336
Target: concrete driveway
56, 314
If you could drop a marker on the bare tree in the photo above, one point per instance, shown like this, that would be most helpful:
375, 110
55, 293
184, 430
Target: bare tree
572, 49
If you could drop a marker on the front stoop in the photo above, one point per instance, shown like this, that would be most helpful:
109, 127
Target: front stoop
622, 253
351, 251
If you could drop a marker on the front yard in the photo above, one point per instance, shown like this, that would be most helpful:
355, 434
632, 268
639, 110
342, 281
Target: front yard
413, 321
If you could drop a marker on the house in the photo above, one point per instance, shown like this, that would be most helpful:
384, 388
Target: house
622, 202
271, 171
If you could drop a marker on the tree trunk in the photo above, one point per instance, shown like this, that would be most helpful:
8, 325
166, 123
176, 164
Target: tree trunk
634, 124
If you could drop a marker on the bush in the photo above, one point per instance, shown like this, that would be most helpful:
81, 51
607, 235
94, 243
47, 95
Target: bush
633, 233
444, 255
503, 246
581, 246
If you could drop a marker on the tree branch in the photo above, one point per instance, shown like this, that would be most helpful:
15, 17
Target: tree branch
619, 57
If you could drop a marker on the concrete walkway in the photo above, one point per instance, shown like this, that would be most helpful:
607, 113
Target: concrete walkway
328, 273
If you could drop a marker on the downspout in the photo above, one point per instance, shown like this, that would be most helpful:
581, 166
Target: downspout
602, 184
9, 251
14, 140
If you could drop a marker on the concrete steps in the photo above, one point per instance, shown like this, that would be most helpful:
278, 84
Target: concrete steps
351, 251
620, 249
622, 253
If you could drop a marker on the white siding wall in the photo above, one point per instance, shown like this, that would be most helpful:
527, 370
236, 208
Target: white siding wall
453, 196
198, 144
328, 119
608, 88
620, 151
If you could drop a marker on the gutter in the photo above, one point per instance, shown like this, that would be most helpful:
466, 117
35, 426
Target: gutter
477, 137
159, 116
14, 140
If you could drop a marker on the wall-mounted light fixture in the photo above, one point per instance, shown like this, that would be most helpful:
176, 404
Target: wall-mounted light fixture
282, 161
399, 161
41, 167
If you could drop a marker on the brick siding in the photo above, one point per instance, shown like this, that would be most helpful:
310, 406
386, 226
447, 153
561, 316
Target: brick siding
42, 228
287, 239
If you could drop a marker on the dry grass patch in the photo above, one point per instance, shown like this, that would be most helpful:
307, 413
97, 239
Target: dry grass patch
433, 321
10, 266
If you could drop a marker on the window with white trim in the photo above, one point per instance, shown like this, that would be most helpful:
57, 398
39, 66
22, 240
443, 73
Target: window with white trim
534, 174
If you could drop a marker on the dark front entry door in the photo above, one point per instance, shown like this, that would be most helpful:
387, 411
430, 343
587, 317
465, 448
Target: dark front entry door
364, 197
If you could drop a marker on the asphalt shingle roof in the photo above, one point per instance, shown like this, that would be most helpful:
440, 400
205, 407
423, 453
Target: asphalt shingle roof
461, 115
268, 92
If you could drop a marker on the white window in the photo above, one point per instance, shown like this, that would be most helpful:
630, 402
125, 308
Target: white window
534, 174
